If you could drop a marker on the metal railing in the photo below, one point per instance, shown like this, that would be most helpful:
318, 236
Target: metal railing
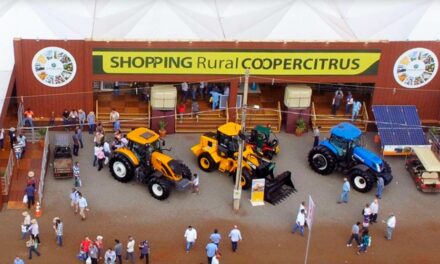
313, 115
227, 112
365, 115
6, 177
20, 113
96, 107
43, 166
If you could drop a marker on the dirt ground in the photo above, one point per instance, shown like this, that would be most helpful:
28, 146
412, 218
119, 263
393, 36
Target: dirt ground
119, 210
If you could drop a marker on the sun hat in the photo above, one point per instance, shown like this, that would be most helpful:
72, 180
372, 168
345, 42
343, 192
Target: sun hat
31, 174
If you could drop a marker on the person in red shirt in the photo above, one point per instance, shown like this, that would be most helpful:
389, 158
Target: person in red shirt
181, 111
85, 245
28, 116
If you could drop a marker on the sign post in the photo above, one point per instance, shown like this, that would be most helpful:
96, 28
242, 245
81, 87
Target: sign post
310, 216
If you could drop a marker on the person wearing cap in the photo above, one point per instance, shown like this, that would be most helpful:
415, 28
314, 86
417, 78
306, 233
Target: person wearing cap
91, 122
34, 229
100, 245
12, 136
25, 225
31, 178
30, 192
58, 228
235, 236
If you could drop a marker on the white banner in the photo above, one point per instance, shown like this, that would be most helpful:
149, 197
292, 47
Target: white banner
310, 212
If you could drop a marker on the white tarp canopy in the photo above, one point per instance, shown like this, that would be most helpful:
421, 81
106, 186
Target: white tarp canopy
254, 20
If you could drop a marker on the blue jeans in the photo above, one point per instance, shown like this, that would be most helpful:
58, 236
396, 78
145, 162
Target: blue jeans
354, 115
389, 232
27, 120
116, 125
379, 191
60, 241
91, 128
81, 124
344, 197
301, 229
189, 246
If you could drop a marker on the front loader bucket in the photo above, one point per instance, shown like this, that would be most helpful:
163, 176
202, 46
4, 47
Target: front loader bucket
278, 188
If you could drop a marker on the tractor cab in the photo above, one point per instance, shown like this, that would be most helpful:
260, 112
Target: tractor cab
227, 138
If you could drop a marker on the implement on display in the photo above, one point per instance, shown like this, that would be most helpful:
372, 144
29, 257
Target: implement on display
235, 62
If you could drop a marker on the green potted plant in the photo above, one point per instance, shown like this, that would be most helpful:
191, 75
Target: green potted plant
42, 134
300, 126
162, 128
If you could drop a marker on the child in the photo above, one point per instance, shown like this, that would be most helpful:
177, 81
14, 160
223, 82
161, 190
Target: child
195, 183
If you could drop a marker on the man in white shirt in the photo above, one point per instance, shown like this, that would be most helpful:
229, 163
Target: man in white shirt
83, 206
374, 207
130, 250
235, 236
367, 215
185, 89
114, 118
300, 221
391, 224
191, 237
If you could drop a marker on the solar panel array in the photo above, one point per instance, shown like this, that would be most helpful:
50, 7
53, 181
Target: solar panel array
399, 125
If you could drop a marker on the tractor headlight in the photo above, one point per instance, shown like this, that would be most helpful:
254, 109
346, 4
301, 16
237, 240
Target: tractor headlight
378, 168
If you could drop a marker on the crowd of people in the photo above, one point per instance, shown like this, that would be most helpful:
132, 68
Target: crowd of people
351, 106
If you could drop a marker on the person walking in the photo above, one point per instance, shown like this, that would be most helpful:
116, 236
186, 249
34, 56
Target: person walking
380, 187
76, 177
93, 253
345, 192
80, 138
144, 248
391, 224
84, 247
211, 249
30, 192
215, 237
74, 197
58, 228
18, 260
374, 207
196, 184
34, 230
100, 245
12, 136
32, 244
130, 250
91, 122
299, 223
216, 258
101, 158
366, 242
83, 206
75, 140
316, 134
110, 256
191, 237
302, 206
25, 225
366, 212
118, 251
235, 236
354, 234
355, 112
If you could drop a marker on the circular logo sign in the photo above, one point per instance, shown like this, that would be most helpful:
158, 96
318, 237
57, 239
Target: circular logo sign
54, 66
415, 68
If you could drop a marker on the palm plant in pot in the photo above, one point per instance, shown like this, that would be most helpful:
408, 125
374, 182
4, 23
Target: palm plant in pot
300, 126
42, 135
162, 128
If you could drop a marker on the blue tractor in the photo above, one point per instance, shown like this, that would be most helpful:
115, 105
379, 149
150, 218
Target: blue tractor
343, 151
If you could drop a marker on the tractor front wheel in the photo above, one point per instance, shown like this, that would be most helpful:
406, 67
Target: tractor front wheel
245, 180
121, 168
206, 163
361, 180
322, 160
159, 189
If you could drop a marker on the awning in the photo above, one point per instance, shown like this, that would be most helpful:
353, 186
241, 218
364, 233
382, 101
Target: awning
427, 158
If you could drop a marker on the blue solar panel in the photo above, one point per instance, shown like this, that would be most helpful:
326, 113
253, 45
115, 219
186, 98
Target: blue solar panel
399, 125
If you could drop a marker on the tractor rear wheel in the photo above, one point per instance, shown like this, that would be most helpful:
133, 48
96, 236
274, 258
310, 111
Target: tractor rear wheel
159, 188
322, 160
121, 168
361, 180
245, 180
206, 163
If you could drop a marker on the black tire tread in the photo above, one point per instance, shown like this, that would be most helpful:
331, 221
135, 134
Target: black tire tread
331, 160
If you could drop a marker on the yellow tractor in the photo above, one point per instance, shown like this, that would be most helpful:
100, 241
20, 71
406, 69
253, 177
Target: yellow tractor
220, 151
144, 159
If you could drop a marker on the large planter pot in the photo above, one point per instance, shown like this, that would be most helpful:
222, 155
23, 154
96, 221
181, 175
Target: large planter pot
299, 132
41, 142
162, 133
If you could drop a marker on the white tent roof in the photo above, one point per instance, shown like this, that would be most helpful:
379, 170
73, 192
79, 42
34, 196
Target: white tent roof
255, 20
